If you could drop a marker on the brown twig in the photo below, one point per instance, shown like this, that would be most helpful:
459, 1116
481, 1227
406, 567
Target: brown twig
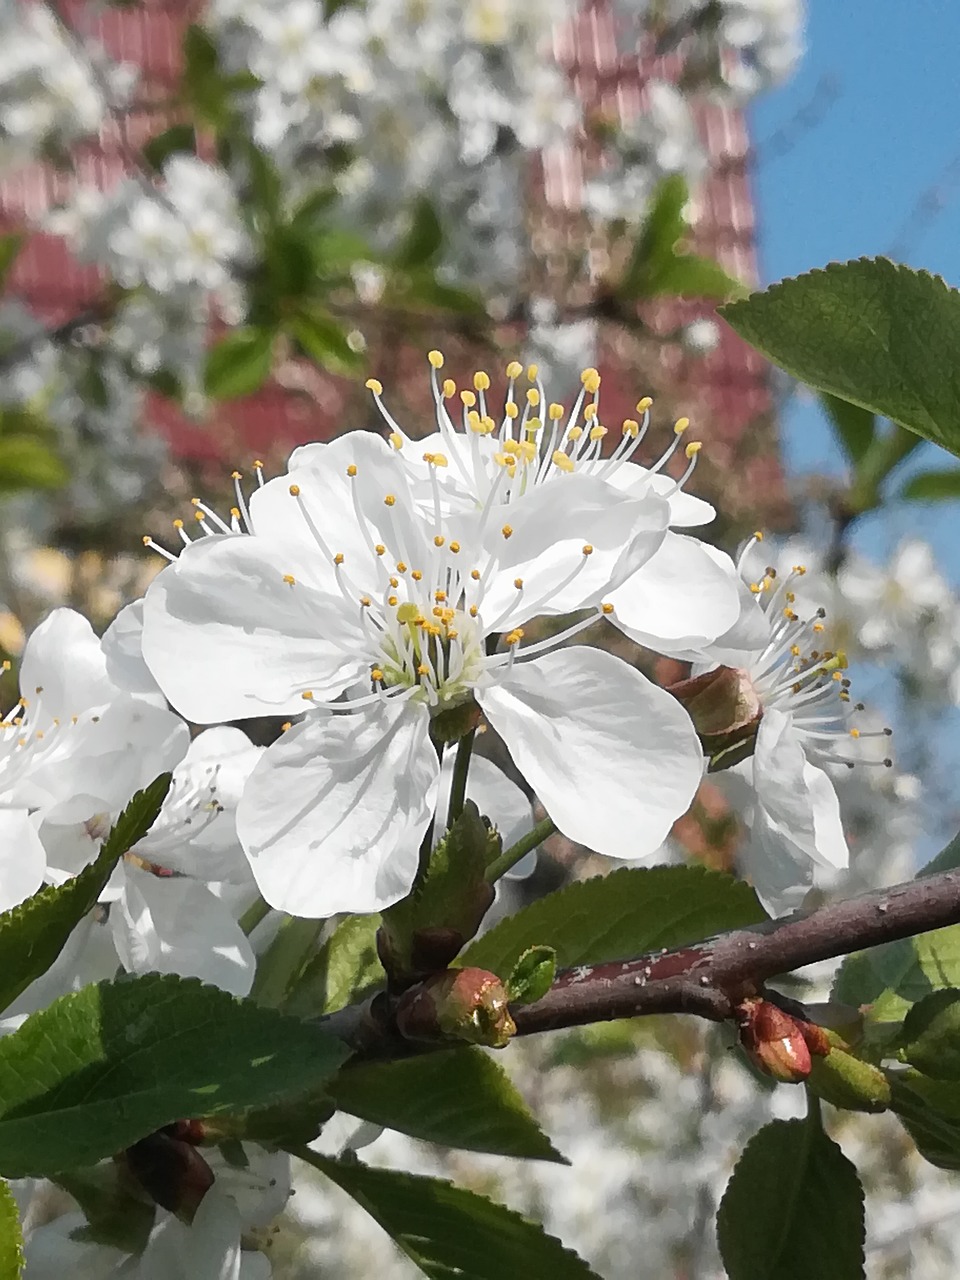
707, 978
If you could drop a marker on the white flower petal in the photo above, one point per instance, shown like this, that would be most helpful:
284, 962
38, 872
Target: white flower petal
64, 671
175, 925
333, 815
492, 792
123, 652
685, 596
614, 760
23, 860
226, 637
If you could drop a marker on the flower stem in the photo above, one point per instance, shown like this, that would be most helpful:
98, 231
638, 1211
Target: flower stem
546, 827
256, 912
458, 786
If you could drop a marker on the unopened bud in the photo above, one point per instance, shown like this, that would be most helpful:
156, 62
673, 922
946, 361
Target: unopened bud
172, 1172
460, 1004
725, 709
774, 1041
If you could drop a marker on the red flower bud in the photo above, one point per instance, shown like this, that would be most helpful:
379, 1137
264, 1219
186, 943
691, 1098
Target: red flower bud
459, 1004
171, 1171
774, 1041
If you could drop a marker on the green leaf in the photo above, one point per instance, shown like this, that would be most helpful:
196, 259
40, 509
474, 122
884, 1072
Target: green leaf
793, 1209
630, 911
932, 486
10, 246
34, 933
457, 1097
115, 1215
854, 427
346, 965
924, 1109
178, 138
930, 1039
663, 226
202, 82
424, 239
11, 1237
29, 463
325, 342
279, 967
688, 275
532, 976
880, 335
239, 364
448, 1231
893, 977
101, 1068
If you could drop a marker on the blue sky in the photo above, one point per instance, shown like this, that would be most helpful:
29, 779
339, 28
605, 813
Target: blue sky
849, 185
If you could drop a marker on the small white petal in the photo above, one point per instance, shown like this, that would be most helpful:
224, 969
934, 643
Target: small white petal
333, 815
63, 670
492, 792
614, 760
123, 652
23, 860
226, 637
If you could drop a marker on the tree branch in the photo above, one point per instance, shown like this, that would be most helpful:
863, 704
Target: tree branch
708, 978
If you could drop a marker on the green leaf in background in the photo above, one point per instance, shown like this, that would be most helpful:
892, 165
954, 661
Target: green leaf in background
10, 246
929, 1110
239, 364
103, 1067
450, 1232
346, 965
180, 138
893, 977
930, 1039
279, 967
423, 240
202, 83
532, 976
932, 486
324, 341
11, 1237
689, 275
878, 334
34, 933
854, 427
458, 1097
793, 1208
27, 462
630, 911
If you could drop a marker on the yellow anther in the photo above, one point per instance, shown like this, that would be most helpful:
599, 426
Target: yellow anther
800, 569
795, 650
790, 597
416, 575
178, 524
589, 412
575, 433
474, 611
789, 615
439, 459
374, 385
389, 500
401, 566
533, 397
351, 470
597, 432
589, 375
854, 733
606, 609
365, 602
507, 530
439, 540
818, 627
758, 534
643, 404
452, 633
449, 388
236, 475
487, 425
555, 412
307, 695
680, 426
474, 421
376, 674
392, 601
439, 596
837, 676
454, 547
394, 582
518, 583
235, 511
407, 613
511, 447
287, 724
435, 358
257, 464
295, 491
380, 549
289, 579
630, 427
531, 427
468, 398
511, 409
437, 611
693, 448
755, 588
587, 549
423, 669
6, 664
199, 517
428, 457
532, 371
338, 558
514, 369
481, 381
475, 574
195, 501
396, 439
562, 460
